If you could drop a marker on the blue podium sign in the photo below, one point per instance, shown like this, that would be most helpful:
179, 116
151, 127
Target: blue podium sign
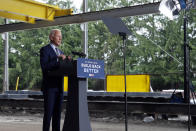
89, 68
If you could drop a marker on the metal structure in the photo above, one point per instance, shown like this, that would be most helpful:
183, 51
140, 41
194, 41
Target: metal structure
85, 34
71, 19
85, 17
6, 60
85, 29
187, 70
29, 10
81, 18
106, 102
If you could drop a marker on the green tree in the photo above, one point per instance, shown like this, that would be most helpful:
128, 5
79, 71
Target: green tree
155, 39
149, 49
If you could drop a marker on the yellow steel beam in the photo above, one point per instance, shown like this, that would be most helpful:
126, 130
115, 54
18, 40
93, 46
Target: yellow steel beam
17, 17
27, 10
62, 12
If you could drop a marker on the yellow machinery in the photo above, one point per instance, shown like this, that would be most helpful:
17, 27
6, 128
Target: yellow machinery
135, 83
115, 83
29, 10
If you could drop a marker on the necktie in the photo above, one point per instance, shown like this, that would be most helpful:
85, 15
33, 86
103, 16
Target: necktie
57, 52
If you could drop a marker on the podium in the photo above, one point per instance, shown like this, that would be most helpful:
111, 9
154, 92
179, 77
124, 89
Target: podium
77, 116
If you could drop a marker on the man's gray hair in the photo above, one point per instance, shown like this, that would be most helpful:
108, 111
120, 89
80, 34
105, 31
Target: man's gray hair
53, 31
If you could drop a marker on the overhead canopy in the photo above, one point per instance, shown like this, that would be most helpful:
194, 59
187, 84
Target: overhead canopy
85, 17
29, 10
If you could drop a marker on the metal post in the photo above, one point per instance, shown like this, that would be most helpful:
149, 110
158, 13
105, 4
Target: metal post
85, 34
85, 30
186, 70
6, 64
126, 120
123, 35
186, 63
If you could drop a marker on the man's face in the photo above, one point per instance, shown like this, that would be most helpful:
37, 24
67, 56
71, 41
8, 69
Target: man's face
56, 38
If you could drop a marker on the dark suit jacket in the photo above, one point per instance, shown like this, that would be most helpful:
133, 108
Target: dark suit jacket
49, 63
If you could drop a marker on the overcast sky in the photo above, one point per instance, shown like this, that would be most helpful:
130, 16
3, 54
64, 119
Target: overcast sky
76, 3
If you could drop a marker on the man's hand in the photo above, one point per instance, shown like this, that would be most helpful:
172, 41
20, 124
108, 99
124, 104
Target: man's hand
69, 57
62, 56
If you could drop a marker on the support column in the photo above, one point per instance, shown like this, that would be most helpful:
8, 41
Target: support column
85, 29
6, 60
85, 34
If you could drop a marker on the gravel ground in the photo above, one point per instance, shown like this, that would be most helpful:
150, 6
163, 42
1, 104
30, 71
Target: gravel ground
32, 123
21, 120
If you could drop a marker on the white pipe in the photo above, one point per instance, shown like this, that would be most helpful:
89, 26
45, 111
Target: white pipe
6, 60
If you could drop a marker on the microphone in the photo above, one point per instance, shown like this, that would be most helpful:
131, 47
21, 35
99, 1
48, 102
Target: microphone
81, 54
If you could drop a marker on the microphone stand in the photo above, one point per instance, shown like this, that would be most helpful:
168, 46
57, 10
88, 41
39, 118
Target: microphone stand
123, 35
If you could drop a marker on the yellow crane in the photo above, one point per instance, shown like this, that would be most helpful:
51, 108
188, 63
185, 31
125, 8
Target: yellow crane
29, 10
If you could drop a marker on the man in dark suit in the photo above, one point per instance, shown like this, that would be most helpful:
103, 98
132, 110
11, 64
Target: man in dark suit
52, 89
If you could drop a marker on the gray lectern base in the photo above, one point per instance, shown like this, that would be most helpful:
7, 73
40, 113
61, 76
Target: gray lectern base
76, 116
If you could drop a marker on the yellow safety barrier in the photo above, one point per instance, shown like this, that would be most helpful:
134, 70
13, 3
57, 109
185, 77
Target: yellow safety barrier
17, 83
135, 83
65, 82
